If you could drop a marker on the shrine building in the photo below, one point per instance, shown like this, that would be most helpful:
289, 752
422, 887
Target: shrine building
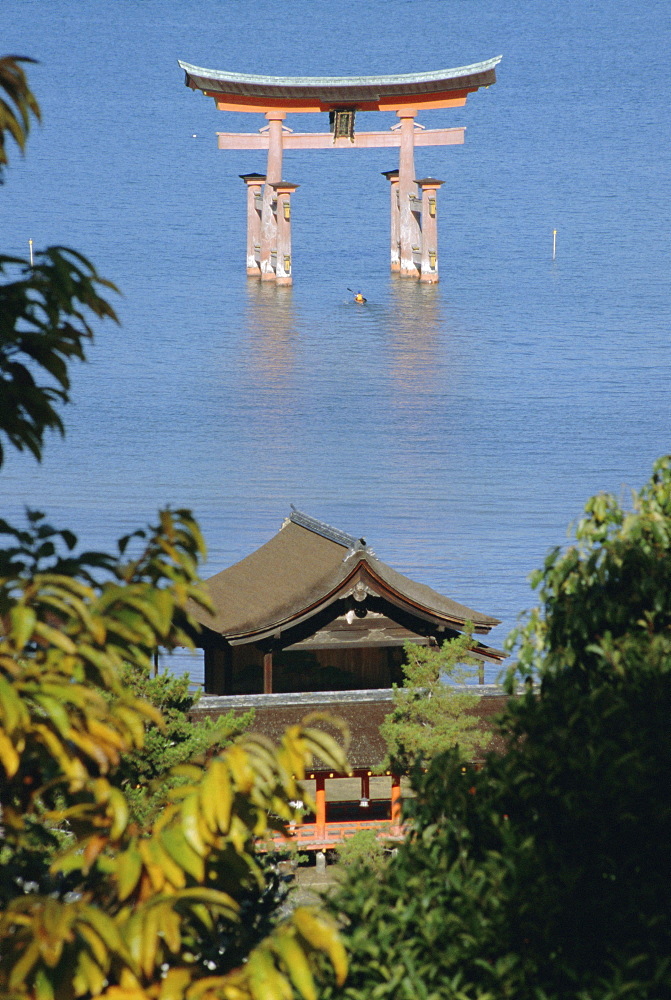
314, 621
413, 222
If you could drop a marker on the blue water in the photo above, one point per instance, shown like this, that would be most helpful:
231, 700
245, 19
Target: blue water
459, 428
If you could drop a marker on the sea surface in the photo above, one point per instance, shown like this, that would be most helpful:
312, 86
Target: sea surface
459, 428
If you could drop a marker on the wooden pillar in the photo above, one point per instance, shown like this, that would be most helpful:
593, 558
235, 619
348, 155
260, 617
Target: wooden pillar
429, 266
407, 192
218, 670
365, 791
254, 184
392, 177
283, 216
273, 176
268, 673
395, 802
320, 801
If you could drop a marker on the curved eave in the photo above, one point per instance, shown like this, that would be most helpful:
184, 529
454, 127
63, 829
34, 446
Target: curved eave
452, 616
341, 89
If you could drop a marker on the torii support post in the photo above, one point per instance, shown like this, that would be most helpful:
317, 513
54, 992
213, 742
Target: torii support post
254, 184
283, 192
273, 176
395, 260
429, 263
409, 230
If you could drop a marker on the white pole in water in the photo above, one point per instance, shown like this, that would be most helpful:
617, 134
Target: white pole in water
30, 244
554, 243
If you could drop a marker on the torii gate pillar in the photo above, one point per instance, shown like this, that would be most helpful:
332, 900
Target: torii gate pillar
273, 176
254, 184
429, 259
408, 224
283, 228
392, 177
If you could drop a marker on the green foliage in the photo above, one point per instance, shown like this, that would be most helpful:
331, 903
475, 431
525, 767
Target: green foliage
45, 321
16, 106
144, 774
46, 308
430, 716
364, 848
182, 903
71, 625
92, 904
544, 876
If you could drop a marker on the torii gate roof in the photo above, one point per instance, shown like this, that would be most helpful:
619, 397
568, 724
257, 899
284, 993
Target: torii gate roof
435, 89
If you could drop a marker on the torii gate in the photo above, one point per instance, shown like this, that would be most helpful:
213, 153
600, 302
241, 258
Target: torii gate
414, 244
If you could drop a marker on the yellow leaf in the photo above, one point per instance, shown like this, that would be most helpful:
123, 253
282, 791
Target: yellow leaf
160, 857
155, 871
238, 762
95, 943
207, 801
325, 747
132, 934
295, 962
53, 637
105, 733
192, 772
54, 746
265, 981
195, 831
215, 986
169, 927
14, 712
132, 721
89, 977
44, 988
174, 985
149, 942
9, 758
322, 934
118, 806
128, 871
212, 897
124, 993
105, 927
222, 794
20, 971
22, 623
181, 852
91, 749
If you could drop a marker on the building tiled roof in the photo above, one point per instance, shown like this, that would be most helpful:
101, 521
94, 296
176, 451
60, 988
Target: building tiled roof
363, 713
306, 567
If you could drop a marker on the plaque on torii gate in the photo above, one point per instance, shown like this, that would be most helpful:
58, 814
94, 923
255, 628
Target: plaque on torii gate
414, 231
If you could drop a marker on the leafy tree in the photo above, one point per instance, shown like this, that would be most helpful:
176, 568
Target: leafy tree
143, 774
545, 876
92, 904
16, 106
429, 715
364, 846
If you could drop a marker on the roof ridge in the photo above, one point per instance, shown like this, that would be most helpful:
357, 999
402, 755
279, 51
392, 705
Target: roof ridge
326, 530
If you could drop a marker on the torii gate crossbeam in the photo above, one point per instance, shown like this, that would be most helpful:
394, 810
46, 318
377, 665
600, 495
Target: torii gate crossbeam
414, 251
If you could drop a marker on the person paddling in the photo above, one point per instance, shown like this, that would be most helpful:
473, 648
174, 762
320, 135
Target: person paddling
358, 297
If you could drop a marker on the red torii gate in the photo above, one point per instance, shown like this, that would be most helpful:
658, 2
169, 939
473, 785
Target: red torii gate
414, 245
